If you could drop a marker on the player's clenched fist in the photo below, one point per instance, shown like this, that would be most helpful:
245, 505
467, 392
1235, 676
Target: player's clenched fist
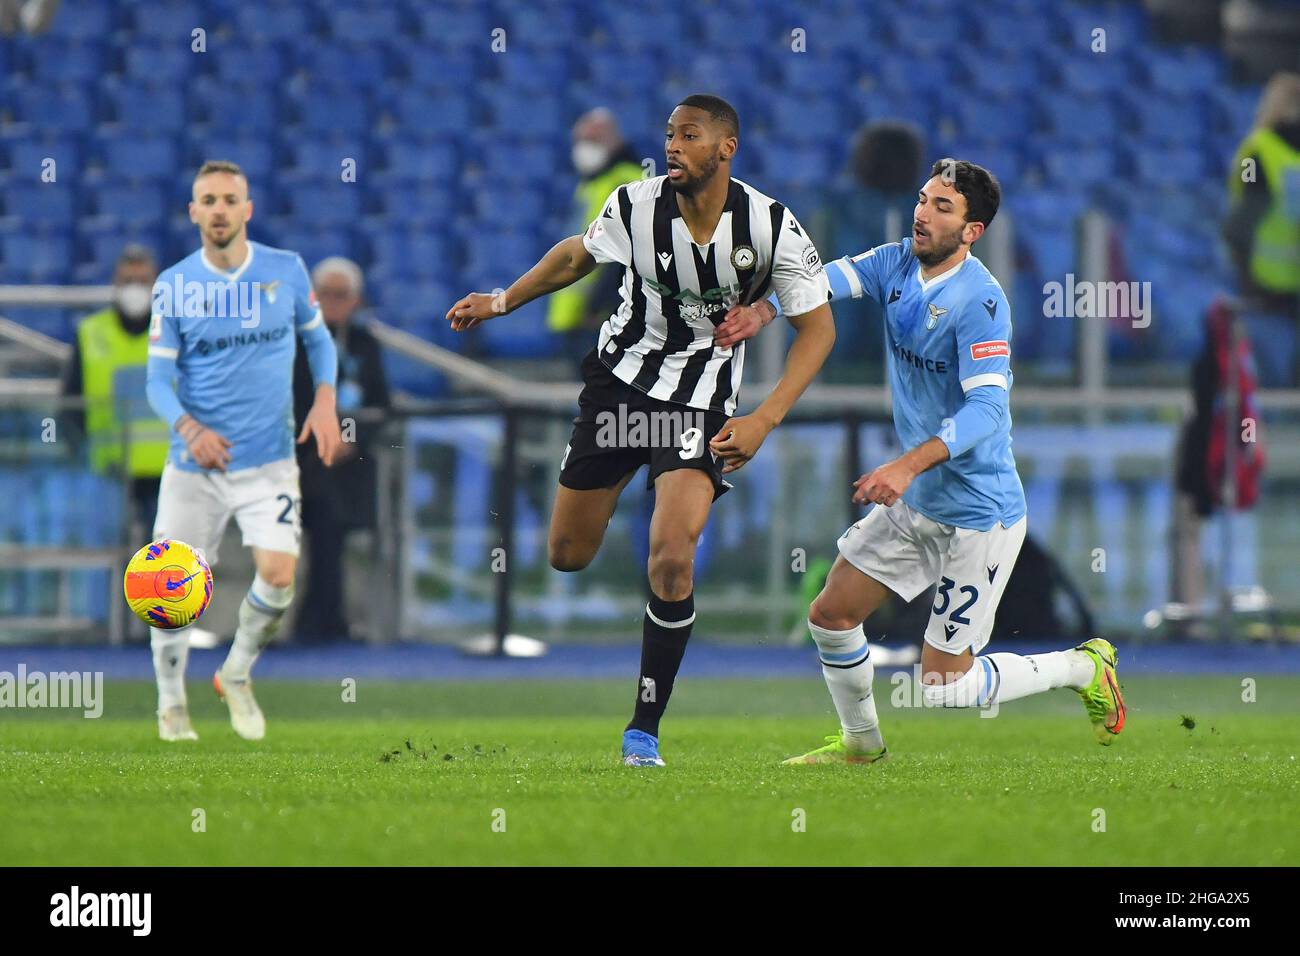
883, 486
738, 440
475, 308
206, 447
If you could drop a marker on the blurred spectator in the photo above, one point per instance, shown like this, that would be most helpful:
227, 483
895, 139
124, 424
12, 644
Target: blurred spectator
32, 16
109, 357
886, 170
603, 162
340, 499
1262, 228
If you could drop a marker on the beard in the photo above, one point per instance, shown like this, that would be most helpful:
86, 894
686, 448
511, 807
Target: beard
940, 248
690, 185
231, 237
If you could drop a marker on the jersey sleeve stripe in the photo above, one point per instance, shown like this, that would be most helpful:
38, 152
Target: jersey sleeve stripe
845, 268
315, 320
988, 378
161, 351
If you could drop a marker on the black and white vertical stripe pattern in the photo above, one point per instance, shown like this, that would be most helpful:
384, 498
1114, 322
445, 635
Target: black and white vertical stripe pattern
662, 344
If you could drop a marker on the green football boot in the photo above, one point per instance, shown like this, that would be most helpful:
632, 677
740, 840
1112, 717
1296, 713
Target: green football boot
836, 752
1101, 698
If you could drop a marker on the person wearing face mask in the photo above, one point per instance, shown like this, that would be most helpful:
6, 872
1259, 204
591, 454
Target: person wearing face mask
603, 162
108, 370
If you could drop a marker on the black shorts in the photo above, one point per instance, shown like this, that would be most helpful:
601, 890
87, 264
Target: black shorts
620, 428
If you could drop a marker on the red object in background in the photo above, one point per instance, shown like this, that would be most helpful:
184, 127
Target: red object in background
1250, 454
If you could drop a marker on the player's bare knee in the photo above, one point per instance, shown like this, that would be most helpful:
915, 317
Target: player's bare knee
823, 613
278, 576
565, 555
671, 575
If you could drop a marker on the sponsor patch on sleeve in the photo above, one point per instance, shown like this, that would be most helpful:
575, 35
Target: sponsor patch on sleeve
597, 229
983, 350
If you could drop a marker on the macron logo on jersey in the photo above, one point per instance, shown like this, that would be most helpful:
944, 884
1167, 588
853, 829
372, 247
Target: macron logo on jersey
983, 350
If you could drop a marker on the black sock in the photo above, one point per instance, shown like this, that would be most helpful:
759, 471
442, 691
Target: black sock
662, 649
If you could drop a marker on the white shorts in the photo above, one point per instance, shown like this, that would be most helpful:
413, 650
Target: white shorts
908, 552
195, 506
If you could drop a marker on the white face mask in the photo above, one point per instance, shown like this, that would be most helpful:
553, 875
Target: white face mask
135, 299
588, 157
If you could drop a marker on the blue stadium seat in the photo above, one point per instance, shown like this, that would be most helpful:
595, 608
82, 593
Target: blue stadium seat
1168, 119
1092, 73
331, 204
421, 253
28, 153
521, 334
549, 26
1002, 76
262, 64
432, 112
172, 21
36, 258
346, 62
420, 160
644, 27
817, 118
290, 22
321, 156
426, 203
255, 155
524, 161
987, 118
829, 75
457, 67
129, 155
146, 107
259, 114
1183, 74
170, 64
610, 70
134, 205
501, 256
1175, 166
53, 322
456, 27
335, 109
520, 115
526, 71
368, 23
69, 61
80, 21
312, 244
68, 106
509, 205
1079, 119
1064, 163
36, 202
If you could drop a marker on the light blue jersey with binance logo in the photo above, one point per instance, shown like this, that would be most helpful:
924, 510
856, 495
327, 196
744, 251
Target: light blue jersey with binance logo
222, 346
949, 343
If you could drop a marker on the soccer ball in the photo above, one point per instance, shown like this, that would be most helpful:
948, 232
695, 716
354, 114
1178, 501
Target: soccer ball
168, 584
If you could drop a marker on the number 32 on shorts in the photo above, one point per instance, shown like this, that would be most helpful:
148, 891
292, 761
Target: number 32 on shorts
944, 597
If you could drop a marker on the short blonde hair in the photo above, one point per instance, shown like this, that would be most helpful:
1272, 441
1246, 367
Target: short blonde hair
219, 166
1280, 102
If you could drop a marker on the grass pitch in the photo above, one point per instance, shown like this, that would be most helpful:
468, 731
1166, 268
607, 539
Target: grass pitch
526, 772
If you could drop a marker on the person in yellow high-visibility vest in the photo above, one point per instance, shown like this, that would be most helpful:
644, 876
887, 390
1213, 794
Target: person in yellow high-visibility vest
107, 369
603, 162
1262, 229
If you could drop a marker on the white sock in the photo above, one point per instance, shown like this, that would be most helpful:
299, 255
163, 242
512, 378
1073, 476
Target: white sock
847, 667
998, 678
259, 620
171, 651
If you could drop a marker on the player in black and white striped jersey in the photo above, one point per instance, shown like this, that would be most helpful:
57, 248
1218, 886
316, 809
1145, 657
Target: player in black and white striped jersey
695, 245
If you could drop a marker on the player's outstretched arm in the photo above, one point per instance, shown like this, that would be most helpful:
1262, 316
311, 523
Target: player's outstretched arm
739, 439
566, 263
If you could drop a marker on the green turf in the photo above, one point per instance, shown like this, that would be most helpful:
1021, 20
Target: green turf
337, 782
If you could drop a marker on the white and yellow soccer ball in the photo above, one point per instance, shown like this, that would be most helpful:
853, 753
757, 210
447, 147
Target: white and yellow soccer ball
168, 584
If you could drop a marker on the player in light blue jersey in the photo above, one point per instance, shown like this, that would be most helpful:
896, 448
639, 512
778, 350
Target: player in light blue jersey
222, 341
950, 511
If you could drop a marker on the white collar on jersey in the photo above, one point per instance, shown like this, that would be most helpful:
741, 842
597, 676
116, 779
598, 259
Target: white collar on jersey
229, 276
928, 284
